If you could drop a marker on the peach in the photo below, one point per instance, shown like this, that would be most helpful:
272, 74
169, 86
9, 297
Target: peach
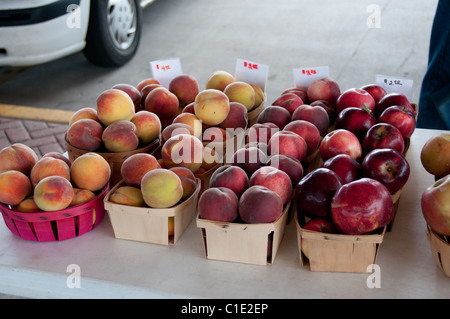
308, 131
161, 188
188, 108
188, 180
324, 89
261, 132
81, 196
128, 195
219, 80
183, 150
53, 193
145, 91
136, 166
232, 177
19, 157
58, 155
90, 171
84, 113
162, 102
148, 126
274, 179
218, 204
291, 166
236, 118
133, 92
49, 166
259, 94
185, 87
211, 106
114, 105
211, 158
215, 134
288, 143
192, 120
241, 92
15, 186
174, 129
143, 83
276, 115
120, 136
258, 204
299, 91
293, 101
85, 134
249, 159
28, 205
146, 82
315, 114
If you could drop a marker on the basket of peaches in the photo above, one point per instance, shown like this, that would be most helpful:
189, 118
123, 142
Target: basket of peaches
50, 198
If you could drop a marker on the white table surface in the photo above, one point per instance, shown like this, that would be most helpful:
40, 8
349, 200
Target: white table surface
115, 268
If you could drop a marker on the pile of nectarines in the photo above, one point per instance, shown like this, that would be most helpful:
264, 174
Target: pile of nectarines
30, 184
148, 184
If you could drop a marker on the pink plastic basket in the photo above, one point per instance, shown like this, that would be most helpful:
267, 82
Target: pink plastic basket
57, 225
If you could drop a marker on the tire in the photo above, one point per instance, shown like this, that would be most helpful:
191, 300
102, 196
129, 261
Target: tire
109, 41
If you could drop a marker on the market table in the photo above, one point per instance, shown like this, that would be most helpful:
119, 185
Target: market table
116, 268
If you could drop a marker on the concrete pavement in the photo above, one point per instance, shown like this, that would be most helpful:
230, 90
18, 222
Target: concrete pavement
356, 39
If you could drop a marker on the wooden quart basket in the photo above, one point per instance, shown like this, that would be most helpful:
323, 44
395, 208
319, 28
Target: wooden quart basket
244, 243
338, 252
252, 115
151, 225
56, 225
114, 160
440, 248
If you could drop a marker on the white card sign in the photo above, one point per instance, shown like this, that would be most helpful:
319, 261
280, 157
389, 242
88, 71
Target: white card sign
252, 72
165, 70
396, 85
303, 77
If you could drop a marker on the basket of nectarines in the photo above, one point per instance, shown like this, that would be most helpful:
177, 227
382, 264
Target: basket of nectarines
50, 199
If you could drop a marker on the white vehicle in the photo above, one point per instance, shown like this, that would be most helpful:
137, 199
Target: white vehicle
33, 32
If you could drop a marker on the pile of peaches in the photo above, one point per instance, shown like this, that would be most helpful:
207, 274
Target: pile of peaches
29, 184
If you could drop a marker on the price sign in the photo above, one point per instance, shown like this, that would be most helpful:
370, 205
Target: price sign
165, 70
303, 77
396, 85
252, 72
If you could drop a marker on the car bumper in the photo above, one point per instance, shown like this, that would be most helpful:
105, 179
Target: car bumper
47, 37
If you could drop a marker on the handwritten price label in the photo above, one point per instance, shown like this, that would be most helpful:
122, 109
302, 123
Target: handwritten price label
305, 76
252, 72
396, 85
165, 70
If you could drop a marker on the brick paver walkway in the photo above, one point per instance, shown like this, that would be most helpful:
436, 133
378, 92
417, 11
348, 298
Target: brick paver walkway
42, 136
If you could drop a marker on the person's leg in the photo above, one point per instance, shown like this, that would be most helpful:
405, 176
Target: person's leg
434, 102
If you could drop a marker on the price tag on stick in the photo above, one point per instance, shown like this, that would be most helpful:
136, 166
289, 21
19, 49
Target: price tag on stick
303, 77
165, 70
252, 72
396, 85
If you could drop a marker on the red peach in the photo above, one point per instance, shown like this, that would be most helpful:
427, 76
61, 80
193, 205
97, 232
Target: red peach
49, 166
120, 136
148, 126
15, 186
53, 193
19, 157
136, 166
85, 134
162, 102
114, 105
